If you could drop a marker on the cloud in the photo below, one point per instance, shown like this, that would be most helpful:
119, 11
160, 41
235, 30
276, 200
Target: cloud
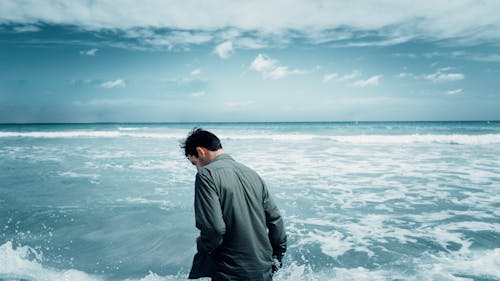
352, 75
250, 43
119, 83
337, 77
90, 52
150, 38
113, 102
26, 28
271, 69
405, 74
280, 72
455, 92
442, 75
198, 94
404, 55
377, 42
224, 50
328, 77
372, 81
395, 22
196, 72
263, 63
175, 38
481, 57
485, 57
239, 104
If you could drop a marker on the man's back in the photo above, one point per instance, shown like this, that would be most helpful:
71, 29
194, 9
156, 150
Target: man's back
234, 212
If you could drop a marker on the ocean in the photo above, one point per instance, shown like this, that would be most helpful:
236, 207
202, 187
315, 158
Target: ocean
360, 201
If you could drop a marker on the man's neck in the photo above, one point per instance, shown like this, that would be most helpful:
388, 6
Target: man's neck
213, 154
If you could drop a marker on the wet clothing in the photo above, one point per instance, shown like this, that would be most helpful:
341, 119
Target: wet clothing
240, 226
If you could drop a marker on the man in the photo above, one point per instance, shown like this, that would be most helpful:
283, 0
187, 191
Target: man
241, 229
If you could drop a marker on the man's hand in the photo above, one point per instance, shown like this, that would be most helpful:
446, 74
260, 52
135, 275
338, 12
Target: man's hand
277, 264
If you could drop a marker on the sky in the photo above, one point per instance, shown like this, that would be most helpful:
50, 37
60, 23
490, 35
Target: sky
248, 61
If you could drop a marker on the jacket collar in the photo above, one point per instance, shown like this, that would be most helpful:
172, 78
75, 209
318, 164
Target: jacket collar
223, 156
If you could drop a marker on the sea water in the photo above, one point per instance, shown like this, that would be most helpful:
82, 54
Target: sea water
360, 201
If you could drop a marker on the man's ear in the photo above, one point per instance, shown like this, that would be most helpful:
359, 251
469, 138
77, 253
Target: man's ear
201, 151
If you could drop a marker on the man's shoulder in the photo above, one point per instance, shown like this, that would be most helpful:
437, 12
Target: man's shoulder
221, 162
225, 162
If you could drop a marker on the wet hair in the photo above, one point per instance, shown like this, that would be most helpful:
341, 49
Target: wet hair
200, 138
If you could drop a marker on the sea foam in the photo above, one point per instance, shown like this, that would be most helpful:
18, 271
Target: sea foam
353, 139
378, 205
25, 263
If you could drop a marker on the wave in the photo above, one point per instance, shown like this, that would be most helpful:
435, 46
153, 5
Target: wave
78, 175
128, 128
62, 134
25, 263
353, 139
140, 200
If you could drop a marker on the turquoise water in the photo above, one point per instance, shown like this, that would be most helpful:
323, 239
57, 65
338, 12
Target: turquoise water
361, 201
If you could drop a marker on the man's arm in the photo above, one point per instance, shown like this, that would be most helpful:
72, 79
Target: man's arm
208, 214
274, 222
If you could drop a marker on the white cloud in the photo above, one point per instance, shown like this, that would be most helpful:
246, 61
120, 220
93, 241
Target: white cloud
442, 75
455, 92
405, 74
352, 75
485, 57
27, 28
278, 73
239, 103
198, 94
372, 81
445, 69
250, 43
328, 77
148, 37
119, 83
481, 57
270, 68
378, 43
109, 102
224, 50
405, 55
196, 72
464, 22
90, 52
341, 78
263, 63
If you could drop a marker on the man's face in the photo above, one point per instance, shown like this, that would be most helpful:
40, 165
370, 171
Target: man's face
198, 162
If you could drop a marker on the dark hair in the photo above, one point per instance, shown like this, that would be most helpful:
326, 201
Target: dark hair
200, 138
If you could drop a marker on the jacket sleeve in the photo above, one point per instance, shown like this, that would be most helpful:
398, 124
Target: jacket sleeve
208, 215
274, 222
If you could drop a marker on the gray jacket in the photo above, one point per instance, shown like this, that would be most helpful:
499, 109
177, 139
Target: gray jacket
240, 226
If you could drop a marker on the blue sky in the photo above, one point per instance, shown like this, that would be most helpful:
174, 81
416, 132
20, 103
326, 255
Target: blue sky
231, 61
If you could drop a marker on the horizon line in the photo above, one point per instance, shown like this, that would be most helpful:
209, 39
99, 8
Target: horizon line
240, 122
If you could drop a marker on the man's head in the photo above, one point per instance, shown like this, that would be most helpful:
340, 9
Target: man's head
201, 147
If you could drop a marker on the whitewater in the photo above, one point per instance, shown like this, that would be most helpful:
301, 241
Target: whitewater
361, 201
